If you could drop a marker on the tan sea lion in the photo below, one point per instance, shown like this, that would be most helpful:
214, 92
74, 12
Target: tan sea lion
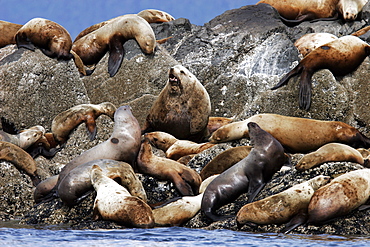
214, 123
8, 31
364, 152
342, 195
183, 103
331, 152
176, 213
111, 37
224, 161
77, 183
65, 122
249, 175
113, 202
185, 179
351, 8
123, 145
20, 159
340, 56
281, 207
297, 135
311, 41
25, 138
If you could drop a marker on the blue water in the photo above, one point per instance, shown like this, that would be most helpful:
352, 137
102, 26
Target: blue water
173, 236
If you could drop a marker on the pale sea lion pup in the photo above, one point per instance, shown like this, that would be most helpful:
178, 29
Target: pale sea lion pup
111, 37
114, 202
8, 31
24, 138
183, 103
330, 152
298, 135
20, 159
249, 175
123, 144
176, 213
341, 56
281, 207
65, 122
185, 179
76, 185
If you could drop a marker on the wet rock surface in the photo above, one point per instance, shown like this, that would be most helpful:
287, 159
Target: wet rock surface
238, 56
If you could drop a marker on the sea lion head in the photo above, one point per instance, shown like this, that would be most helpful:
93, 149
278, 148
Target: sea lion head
350, 9
154, 16
319, 181
178, 78
109, 109
144, 36
29, 136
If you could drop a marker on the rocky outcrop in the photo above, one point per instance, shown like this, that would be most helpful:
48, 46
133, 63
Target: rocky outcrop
238, 56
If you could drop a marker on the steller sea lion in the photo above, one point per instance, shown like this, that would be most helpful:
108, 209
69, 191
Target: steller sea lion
214, 123
8, 31
20, 159
111, 37
297, 135
249, 175
331, 152
25, 138
185, 179
113, 202
281, 207
77, 183
65, 122
341, 56
183, 103
43, 189
311, 41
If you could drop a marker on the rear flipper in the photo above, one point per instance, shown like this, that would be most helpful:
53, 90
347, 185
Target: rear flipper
297, 220
284, 81
305, 90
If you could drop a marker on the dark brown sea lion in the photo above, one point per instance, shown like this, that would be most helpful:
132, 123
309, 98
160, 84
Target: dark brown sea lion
183, 103
65, 122
20, 159
249, 175
185, 179
340, 56
297, 135
77, 183
43, 188
111, 37
8, 31
114, 202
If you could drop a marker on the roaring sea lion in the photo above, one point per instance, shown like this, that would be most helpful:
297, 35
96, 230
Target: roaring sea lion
25, 138
224, 161
65, 122
123, 145
77, 183
20, 159
176, 213
111, 37
297, 135
113, 202
330, 152
341, 56
342, 195
8, 31
183, 103
185, 179
249, 175
281, 207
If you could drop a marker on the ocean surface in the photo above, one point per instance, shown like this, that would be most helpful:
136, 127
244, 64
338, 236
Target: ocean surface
15, 235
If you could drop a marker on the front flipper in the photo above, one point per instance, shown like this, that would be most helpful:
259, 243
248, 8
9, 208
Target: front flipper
296, 221
284, 81
253, 190
305, 89
91, 127
116, 53
23, 42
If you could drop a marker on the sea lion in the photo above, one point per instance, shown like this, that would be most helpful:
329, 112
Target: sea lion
8, 31
174, 148
111, 37
281, 207
77, 183
150, 15
43, 188
331, 152
176, 213
185, 179
341, 56
113, 202
351, 8
224, 161
311, 41
25, 138
364, 152
339, 197
20, 159
214, 123
297, 135
65, 122
183, 103
123, 145
249, 175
